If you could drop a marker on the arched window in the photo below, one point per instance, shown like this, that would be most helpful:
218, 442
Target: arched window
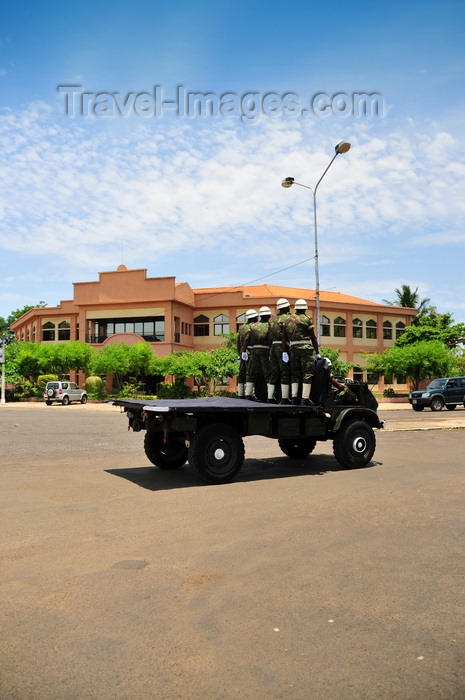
221, 324
340, 327
240, 320
357, 328
48, 331
201, 325
325, 327
400, 328
64, 332
387, 330
371, 329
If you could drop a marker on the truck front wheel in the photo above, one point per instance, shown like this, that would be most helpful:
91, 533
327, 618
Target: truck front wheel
216, 453
169, 455
297, 448
354, 444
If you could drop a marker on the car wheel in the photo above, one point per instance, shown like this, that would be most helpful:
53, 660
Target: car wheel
49, 403
436, 403
418, 408
216, 453
65, 400
451, 406
297, 448
169, 455
83, 399
354, 444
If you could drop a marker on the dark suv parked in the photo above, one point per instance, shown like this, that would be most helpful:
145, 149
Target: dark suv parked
448, 392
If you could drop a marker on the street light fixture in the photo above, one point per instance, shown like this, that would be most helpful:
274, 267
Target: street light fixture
341, 147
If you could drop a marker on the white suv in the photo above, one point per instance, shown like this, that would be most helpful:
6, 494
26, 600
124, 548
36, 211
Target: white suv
64, 392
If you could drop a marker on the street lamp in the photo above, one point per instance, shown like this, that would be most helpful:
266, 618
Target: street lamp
341, 147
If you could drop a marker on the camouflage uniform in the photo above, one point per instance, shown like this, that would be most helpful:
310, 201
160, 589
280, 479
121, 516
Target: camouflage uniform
241, 375
279, 370
256, 344
298, 330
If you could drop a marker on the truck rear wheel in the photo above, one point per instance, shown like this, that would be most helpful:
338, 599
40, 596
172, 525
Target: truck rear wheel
297, 448
354, 444
216, 453
169, 455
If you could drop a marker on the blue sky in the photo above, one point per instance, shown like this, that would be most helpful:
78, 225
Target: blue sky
200, 197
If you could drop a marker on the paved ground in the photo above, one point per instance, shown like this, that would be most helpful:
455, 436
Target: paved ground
300, 580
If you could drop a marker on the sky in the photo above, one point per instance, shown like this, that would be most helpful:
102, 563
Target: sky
108, 157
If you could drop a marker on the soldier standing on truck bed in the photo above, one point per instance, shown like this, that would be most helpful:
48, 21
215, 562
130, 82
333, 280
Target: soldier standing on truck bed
300, 334
242, 374
279, 353
256, 346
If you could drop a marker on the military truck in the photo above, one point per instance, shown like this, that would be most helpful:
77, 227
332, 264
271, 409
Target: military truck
209, 432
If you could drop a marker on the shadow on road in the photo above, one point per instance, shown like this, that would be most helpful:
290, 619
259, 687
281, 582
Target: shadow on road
155, 479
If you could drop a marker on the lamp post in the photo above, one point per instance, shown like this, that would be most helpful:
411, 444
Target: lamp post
2, 361
341, 147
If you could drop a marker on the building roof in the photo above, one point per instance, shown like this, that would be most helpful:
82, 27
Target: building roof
267, 290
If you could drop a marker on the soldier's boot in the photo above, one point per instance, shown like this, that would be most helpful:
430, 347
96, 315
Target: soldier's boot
240, 391
270, 390
306, 395
295, 394
285, 394
249, 391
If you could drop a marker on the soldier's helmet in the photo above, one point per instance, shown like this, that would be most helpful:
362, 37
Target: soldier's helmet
265, 311
301, 304
282, 303
250, 313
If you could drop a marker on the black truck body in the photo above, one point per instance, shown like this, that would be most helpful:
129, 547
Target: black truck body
208, 432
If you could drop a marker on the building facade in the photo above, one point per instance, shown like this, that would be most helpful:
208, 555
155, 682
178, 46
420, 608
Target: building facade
127, 306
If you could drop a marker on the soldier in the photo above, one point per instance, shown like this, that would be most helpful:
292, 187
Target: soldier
242, 374
300, 334
256, 345
279, 355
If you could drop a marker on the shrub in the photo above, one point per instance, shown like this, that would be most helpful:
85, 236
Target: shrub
388, 393
173, 391
95, 387
42, 380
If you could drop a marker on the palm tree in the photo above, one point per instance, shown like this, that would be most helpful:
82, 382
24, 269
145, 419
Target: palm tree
409, 299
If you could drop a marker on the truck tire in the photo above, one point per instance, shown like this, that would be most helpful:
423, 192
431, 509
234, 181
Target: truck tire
354, 444
170, 455
216, 453
297, 448
437, 403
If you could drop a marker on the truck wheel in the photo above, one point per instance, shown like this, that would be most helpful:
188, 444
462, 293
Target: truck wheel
65, 400
297, 448
354, 444
169, 455
436, 403
216, 453
418, 408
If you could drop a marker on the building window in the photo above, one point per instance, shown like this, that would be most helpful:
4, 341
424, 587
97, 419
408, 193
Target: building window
33, 334
325, 327
357, 328
201, 326
339, 327
48, 331
240, 320
387, 330
152, 330
371, 329
64, 330
358, 374
400, 328
221, 324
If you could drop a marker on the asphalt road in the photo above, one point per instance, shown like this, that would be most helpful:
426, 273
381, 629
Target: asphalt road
298, 580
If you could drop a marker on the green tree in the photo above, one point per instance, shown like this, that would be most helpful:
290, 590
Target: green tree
433, 327
425, 359
408, 298
338, 367
5, 323
75, 355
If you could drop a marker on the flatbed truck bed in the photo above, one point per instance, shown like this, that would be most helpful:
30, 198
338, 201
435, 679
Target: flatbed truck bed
209, 432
